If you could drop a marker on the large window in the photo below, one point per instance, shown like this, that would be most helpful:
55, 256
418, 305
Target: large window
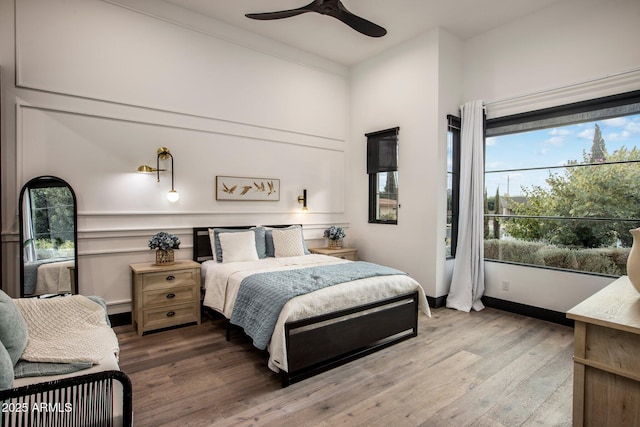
453, 183
563, 185
382, 167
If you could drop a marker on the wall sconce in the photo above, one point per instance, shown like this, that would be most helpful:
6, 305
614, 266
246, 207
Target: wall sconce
303, 200
163, 154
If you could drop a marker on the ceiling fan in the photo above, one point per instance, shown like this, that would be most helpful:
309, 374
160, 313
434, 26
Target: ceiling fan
333, 8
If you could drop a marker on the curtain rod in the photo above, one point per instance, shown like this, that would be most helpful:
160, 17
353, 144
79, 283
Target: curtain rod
525, 95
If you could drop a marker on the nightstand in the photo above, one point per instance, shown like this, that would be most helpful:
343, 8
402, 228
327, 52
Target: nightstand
165, 296
344, 253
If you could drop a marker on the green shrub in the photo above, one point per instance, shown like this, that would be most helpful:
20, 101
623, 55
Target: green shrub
611, 261
602, 260
44, 244
559, 257
68, 244
514, 251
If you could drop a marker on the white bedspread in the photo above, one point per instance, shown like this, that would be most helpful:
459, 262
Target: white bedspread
54, 277
222, 281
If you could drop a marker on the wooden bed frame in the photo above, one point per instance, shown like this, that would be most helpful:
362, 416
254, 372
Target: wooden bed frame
323, 342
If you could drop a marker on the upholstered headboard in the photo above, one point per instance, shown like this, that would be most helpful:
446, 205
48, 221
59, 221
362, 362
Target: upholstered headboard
202, 243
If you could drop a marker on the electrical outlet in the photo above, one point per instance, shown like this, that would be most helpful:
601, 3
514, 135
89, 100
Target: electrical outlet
505, 285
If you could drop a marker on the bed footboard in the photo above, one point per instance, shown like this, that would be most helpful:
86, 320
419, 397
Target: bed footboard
97, 399
320, 343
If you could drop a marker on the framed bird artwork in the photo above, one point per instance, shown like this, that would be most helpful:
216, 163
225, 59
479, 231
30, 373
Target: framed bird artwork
241, 188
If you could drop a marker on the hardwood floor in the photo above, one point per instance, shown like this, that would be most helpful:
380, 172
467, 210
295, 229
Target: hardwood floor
488, 368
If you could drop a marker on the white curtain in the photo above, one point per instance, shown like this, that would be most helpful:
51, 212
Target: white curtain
30, 247
467, 283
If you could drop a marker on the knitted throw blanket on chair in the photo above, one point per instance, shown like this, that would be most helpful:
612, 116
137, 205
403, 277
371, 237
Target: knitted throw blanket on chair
66, 330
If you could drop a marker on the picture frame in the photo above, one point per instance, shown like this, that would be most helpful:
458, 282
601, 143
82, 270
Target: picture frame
247, 189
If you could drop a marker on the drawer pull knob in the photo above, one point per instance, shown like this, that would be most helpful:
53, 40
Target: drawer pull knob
169, 296
171, 314
171, 277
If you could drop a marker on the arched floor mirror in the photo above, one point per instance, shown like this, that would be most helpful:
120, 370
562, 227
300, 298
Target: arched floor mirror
49, 238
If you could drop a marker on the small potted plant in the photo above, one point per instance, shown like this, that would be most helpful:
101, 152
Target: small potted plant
164, 244
335, 236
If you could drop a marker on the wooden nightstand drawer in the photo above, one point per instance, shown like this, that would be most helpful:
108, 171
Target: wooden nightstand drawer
170, 296
151, 281
164, 317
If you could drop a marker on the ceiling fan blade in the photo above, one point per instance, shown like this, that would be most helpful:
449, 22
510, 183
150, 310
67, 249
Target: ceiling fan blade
275, 15
283, 13
359, 24
333, 8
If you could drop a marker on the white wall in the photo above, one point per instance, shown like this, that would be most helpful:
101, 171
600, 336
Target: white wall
99, 87
417, 83
413, 86
568, 43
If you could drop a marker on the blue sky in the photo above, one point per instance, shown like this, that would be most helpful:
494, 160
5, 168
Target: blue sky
551, 147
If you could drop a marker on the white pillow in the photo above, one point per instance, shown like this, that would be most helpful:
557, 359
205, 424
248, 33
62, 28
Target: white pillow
287, 242
238, 246
213, 245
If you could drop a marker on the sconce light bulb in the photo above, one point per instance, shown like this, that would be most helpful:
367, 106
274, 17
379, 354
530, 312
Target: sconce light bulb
173, 196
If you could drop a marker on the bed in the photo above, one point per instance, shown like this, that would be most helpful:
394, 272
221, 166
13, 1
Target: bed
51, 276
317, 328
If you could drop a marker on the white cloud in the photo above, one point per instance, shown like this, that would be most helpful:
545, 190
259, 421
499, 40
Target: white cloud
617, 122
633, 126
587, 133
555, 140
559, 132
490, 142
618, 136
624, 128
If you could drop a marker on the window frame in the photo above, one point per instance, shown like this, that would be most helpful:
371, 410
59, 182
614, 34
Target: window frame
372, 137
579, 112
453, 128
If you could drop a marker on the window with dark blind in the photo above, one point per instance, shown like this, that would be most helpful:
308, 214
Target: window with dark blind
382, 167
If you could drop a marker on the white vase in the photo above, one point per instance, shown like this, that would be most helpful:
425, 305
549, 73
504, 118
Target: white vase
633, 261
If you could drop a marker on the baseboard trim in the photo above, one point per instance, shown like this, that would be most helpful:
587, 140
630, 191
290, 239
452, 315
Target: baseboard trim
528, 310
437, 302
120, 319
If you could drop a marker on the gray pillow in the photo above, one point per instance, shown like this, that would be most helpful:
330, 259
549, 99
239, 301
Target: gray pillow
103, 304
13, 328
6, 369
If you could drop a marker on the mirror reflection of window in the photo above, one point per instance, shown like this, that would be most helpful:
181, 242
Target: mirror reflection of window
52, 223
49, 238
